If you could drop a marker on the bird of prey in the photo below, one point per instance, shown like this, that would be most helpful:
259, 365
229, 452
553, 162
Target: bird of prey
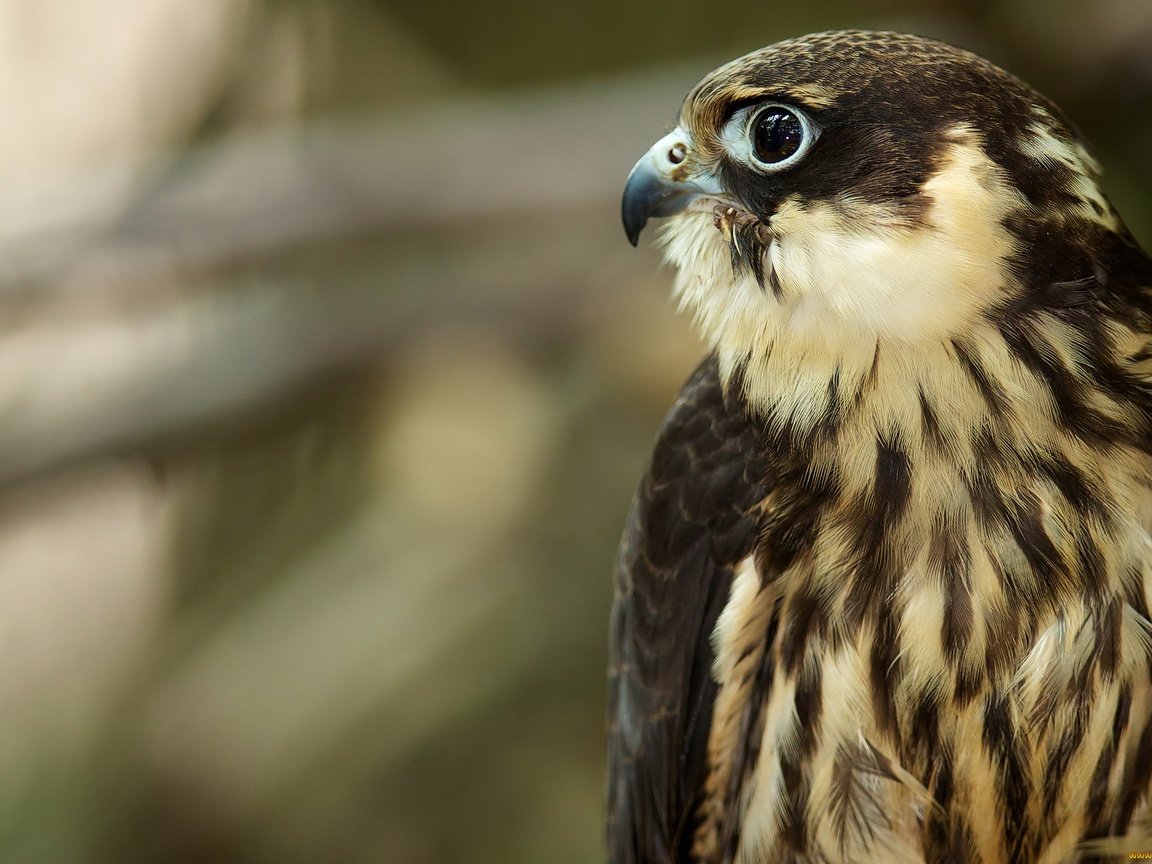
883, 594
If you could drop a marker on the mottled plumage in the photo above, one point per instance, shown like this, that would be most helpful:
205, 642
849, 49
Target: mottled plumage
883, 594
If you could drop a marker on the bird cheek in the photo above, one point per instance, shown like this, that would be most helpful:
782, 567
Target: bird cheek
759, 195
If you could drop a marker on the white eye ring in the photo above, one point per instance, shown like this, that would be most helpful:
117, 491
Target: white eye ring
739, 136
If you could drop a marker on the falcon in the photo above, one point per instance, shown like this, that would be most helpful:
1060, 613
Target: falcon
883, 593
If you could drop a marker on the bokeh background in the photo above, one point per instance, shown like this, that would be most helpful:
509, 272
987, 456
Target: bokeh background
326, 374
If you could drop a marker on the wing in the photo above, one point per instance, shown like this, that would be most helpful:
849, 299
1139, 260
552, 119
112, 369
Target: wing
691, 522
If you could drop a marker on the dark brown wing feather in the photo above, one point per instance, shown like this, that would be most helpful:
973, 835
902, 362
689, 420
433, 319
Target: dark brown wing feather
691, 522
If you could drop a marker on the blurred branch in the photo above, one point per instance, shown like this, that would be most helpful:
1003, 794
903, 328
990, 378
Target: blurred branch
256, 193
81, 373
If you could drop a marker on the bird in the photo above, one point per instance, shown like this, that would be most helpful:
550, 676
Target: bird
883, 590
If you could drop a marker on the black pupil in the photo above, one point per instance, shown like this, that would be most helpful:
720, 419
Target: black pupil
778, 135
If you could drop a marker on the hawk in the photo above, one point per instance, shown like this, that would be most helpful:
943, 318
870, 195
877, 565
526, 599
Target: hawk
883, 594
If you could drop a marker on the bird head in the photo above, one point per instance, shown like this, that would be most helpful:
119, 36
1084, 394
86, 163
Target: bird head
860, 187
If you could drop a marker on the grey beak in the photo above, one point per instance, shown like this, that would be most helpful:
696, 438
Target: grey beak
651, 190
650, 193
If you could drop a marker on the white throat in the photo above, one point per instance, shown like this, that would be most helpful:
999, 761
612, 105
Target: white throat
853, 276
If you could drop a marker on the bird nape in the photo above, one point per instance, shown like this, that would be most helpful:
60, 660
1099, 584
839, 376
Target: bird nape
883, 592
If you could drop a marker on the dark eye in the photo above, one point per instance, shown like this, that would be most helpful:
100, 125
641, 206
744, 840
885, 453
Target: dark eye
777, 135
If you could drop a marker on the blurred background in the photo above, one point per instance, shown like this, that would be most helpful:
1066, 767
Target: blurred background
326, 374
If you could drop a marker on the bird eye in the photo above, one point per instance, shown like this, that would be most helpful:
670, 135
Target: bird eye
777, 135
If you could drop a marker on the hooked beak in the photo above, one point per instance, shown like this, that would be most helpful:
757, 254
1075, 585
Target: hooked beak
659, 185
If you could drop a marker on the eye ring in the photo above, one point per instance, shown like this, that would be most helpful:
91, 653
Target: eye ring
740, 135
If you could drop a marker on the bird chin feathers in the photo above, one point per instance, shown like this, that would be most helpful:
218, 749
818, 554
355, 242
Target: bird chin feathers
847, 275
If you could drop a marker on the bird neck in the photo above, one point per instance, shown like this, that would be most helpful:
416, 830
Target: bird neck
1065, 384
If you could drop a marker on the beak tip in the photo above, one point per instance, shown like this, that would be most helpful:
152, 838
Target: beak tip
634, 216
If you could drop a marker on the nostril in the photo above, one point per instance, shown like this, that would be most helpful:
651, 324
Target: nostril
676, 154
